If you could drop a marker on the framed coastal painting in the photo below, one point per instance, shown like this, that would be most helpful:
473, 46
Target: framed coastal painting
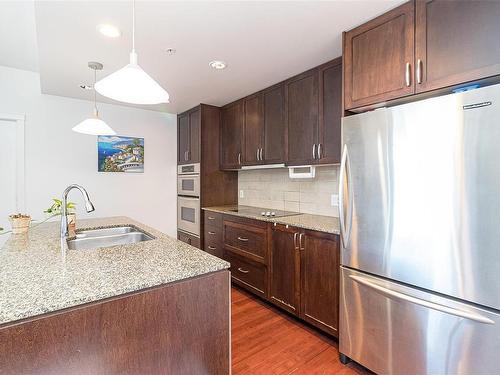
120, 154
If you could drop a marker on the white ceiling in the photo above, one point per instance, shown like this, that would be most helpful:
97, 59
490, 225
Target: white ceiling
262, 42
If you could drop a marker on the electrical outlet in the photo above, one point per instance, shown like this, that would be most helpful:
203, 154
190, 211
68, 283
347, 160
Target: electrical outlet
334, 200
242, 194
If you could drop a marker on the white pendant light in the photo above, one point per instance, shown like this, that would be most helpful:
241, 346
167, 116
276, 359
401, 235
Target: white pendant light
94, 125
131, 84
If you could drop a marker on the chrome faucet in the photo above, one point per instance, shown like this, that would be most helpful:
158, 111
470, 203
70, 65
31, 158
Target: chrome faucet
64, 218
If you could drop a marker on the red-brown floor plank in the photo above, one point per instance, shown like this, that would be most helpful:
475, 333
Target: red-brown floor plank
266, 340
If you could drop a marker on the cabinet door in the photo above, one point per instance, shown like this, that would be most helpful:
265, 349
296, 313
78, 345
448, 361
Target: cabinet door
182, 138
302, 117
378, 58
320, 262
330, 112
274, 147
254, 124
285, 268
231, 134
194, 136
456, 42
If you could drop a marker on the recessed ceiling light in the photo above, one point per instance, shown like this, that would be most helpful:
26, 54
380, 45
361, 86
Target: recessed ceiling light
217, 64
109, 30
170, 51
85, 87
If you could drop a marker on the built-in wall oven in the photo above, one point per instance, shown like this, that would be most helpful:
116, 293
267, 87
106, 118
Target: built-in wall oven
188, 199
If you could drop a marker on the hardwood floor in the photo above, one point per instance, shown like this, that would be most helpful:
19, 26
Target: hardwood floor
266, 340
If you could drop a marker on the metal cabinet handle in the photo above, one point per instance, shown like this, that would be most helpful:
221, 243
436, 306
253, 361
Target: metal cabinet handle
212, 247
210, 218
243, 239
257, 154
242, 270
189, 155
295, 240
239, 158
314, 151
408, 74
185, 155
301, 246
261, 154
211, 232
319, 150
419, 71
431, 305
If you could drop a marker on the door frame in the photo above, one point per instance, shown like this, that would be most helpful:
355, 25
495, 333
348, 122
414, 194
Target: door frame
18, 120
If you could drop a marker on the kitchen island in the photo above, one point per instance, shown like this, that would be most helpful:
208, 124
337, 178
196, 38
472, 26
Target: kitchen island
158, 306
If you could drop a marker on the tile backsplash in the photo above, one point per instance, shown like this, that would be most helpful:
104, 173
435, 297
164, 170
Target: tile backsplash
272, 188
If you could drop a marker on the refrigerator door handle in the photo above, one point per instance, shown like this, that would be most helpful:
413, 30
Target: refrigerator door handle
431, 305
345, 170
341, 196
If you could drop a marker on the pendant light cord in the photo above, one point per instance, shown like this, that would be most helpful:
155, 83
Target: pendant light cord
96, 111
133, 25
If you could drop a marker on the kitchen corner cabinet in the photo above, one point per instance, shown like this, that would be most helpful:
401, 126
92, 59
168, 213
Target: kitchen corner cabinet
420, 46
231, 135
285, 268
378, 58
188, 139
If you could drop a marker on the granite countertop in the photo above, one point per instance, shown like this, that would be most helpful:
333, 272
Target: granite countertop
327, 224
37, 276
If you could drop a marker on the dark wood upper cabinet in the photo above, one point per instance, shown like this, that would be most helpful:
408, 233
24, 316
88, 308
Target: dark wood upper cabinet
232, 119
302, 107
378, 58
330, 112
254, 127
285, 268
182, 138
320, 262
189, 138
456, 42
274, 147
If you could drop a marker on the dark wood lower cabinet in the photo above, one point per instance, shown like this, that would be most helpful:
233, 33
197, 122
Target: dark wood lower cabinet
320, 277
297, 270
189, 239
177, 328
285, 268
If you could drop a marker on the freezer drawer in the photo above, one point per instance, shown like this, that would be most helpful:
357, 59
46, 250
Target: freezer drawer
394, 329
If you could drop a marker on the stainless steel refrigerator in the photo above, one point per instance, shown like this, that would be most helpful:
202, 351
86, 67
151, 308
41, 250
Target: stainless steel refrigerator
419, 191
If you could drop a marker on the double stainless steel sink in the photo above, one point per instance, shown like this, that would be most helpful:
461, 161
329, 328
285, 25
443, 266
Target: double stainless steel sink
106, 237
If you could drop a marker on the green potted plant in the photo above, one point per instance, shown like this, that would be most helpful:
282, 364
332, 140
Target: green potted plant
20, 223
56, 210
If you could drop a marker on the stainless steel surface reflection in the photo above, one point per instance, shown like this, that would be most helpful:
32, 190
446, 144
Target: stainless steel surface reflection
106, 237
420, 205
395, 335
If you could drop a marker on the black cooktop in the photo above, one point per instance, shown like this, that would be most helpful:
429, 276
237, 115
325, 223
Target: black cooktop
265, 212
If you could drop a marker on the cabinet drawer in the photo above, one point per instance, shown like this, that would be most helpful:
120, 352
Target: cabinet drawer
213, 234
189, 239
246, 240
212, 219
213, 247
252, 276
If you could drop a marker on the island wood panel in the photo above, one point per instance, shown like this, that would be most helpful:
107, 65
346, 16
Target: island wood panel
178, 328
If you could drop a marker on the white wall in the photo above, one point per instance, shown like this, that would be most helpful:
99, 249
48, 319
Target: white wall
56, 156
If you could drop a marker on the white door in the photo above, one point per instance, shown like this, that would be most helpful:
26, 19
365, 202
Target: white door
11, 171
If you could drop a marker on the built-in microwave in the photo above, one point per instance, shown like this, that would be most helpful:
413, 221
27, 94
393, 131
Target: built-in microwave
188, 180
188, 215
